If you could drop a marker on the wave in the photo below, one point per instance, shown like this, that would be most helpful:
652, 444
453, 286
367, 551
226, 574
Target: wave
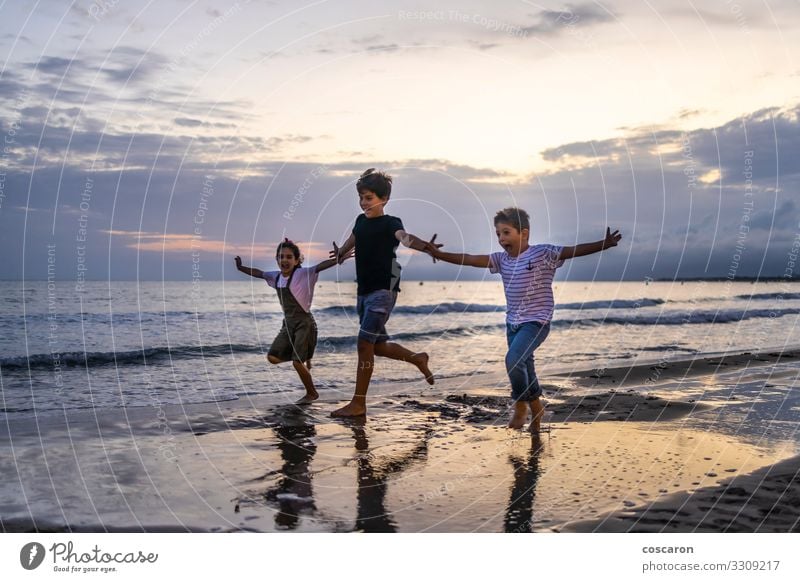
747, 297
612, 304
768, 296
143, 317
89, 317
124, 358
169, 353
686, 318
456, 307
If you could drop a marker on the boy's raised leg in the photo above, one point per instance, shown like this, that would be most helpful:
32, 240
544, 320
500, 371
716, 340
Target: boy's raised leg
366, 361
397, 352
308, 382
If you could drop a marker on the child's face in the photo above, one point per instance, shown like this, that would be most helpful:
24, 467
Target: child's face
511, 239
286, 261
370, 203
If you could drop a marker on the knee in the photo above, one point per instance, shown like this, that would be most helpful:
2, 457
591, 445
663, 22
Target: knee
273, 359
514, 361
365, 349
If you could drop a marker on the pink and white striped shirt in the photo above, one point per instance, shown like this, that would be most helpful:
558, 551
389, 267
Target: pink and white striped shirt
528, 282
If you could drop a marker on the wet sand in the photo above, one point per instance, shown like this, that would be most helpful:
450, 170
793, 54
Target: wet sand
703, 445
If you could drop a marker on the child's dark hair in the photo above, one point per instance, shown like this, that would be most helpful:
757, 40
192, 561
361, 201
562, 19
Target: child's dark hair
513, 216
287, 244
378, 182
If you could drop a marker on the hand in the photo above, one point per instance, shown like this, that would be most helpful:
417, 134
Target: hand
431, 247
336, 253
612, 238
238, 260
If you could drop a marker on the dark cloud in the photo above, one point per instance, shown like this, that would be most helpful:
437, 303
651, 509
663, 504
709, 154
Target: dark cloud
784, 217
771, 134
57, 66
386, 48
121, 66
555, 22
186, 122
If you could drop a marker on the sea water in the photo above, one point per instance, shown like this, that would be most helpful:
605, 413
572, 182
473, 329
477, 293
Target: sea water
129, 343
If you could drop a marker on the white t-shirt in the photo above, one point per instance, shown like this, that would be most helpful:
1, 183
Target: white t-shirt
528, 282
302, 284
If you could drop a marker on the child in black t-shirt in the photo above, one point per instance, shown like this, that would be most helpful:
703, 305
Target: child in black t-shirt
375, 237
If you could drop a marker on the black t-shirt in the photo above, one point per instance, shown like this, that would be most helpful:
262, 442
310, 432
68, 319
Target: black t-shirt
376, 264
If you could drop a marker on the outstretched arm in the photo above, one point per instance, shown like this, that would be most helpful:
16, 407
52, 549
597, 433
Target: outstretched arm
414, 242
433, 250
248, 270
611, 240
481, 261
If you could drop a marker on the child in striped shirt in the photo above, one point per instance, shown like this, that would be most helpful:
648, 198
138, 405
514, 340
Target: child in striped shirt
527, 273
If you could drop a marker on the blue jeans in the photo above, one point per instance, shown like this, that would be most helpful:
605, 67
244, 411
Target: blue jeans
374, 310
523, 339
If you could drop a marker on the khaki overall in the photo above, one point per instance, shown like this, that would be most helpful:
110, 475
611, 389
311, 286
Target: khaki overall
298, 335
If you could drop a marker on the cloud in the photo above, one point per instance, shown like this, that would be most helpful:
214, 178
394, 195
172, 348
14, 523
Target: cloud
56, 66
772, 134
184, 243
122, 66
188, 244
186, 122
556, 22
647, 183
385, 48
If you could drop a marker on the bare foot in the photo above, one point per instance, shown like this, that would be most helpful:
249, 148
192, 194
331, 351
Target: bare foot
351, 409
537, 410
421, 361
520, 415
308, 398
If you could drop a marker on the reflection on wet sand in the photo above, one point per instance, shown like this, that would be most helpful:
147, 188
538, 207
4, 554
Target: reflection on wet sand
373, 479
519, 514
294, 494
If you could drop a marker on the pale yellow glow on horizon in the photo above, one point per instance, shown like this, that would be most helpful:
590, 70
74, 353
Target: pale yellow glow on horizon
500, 109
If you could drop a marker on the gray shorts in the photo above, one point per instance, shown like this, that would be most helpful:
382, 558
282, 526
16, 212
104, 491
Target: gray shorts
374, 310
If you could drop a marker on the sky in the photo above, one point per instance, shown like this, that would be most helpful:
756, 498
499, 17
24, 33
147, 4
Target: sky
157, 140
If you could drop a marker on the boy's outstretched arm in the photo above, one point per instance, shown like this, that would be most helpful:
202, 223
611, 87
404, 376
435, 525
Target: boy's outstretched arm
414, 242
611, 240
248, 270
433, 250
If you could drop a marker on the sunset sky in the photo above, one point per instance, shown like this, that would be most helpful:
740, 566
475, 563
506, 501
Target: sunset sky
138, 133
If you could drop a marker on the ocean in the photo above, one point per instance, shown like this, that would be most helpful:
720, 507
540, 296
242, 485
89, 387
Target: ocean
132, 344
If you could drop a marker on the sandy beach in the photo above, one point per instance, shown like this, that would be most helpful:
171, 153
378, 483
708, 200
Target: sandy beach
693, 445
